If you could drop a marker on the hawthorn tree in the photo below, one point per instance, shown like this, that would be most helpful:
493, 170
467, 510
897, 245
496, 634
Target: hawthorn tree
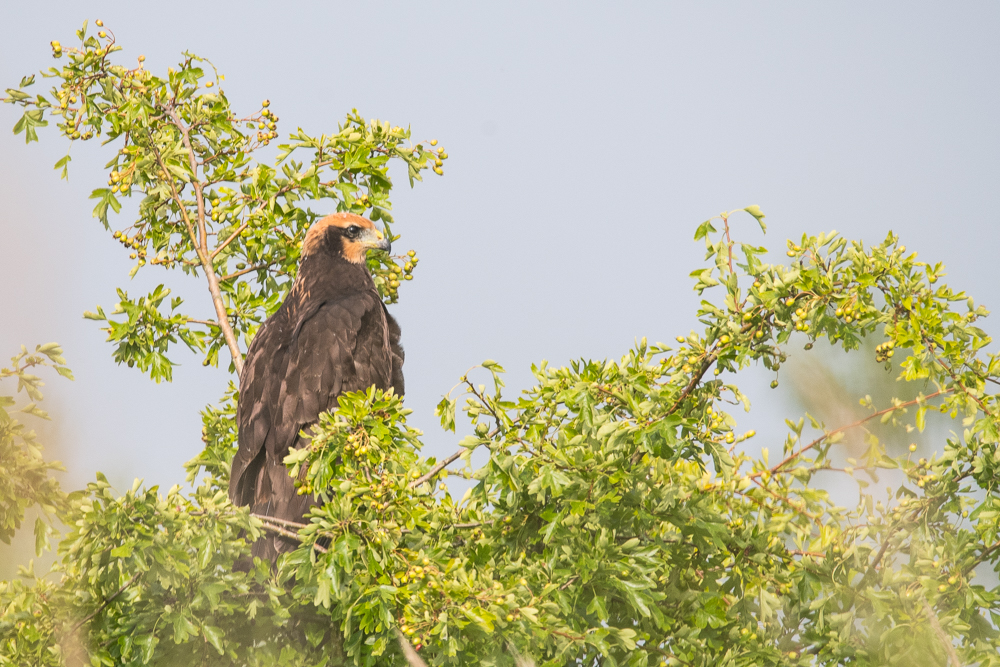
620, 518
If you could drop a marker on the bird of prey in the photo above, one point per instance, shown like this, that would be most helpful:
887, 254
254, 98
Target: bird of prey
331, 335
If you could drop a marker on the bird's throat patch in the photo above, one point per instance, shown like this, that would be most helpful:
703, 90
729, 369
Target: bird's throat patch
354, 252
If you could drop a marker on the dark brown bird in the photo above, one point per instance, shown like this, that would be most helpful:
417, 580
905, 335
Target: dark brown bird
331, 335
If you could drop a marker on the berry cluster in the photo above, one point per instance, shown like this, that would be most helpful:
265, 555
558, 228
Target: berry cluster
267, 124
121, 181
437, 156
849, 313
884, 351
358, 443
391, 274
218, 213
136, 243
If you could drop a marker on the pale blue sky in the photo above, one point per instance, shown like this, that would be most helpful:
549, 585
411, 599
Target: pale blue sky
586, 140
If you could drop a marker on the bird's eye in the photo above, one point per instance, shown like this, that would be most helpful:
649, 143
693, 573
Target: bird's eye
353, 230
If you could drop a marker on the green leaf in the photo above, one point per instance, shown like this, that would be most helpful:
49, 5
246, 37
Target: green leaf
479, 618
550, 529
758, 214
446, 409
703, 230
721, 458
214, 635
124, 551
33, 409
41, 537
63, 163
147, 643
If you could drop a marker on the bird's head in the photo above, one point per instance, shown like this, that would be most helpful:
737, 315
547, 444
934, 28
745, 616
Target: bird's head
346, 235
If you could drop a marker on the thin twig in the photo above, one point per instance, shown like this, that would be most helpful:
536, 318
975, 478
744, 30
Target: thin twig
283, 522
249, 269
982, 557
814, 554
289, 534
444, 463
569, 582
201, 242
729, 243
880, 554
930, 348
817, 441
108, 601
234, 235
695, 379
885, 546
441, 465
788, 501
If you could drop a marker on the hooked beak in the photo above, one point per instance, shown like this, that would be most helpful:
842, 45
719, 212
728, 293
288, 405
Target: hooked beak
377, 240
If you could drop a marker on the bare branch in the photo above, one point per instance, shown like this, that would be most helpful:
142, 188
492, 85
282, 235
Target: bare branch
284, 522
474, 524
729, 242
201, 243
409, 652
441, 465
285, 533
250, 269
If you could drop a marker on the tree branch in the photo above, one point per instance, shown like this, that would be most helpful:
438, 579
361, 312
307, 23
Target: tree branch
880, 555
982, 557
201, 247
462, 526
817, 441
250, 269
108, 601
285, 533
695, 379
284, 522
438, 467
729, 242
234, 235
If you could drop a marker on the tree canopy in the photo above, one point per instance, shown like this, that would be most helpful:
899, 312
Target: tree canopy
620, 519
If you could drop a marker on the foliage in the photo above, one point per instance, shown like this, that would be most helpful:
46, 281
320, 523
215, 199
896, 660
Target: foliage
621, 518
26, 480
208, 206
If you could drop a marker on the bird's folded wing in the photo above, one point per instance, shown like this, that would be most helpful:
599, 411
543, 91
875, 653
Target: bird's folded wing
342, 346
